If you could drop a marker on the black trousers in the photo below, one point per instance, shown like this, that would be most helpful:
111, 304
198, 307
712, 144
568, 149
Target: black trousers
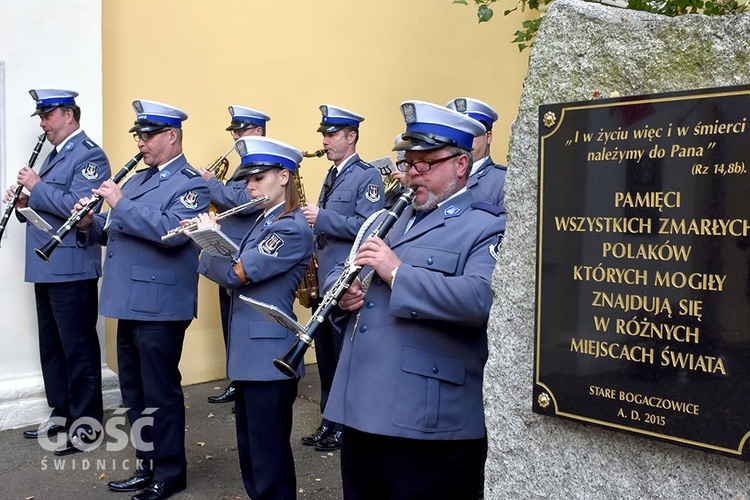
378, 467
264, 425
148, 355
69, 348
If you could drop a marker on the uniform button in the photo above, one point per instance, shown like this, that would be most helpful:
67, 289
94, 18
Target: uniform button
413, 314
370, 304
363, 328
109, 254
153, 278
119, 226
430, 261
435, 369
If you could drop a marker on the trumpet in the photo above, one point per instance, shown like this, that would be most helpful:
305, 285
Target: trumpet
223, 215
220, 166
295, 355
315, 154
12, 203
93, 203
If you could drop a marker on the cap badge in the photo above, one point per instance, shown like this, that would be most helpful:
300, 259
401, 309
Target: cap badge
461, 105
324, 110
409, 112
242, 148
138, 107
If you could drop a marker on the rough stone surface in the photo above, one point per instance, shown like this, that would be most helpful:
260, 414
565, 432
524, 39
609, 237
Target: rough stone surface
583, 47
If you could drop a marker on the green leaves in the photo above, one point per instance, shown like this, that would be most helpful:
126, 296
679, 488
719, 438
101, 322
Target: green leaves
525, 37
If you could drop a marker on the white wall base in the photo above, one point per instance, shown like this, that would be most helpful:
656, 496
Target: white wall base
23, 403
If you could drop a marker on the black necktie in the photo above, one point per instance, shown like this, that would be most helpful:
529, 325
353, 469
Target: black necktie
52, 155
149, 173
421, 215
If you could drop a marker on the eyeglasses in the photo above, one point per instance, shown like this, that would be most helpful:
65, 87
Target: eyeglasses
239, 132
145, 136
423, 166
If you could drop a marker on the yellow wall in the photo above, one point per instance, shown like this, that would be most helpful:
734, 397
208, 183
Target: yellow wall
286, 58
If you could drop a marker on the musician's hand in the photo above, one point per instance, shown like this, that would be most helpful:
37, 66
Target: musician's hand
376, 254
400, 176
21, 201
311, 213
87, 219
110, 192
205, 221
205, 173
354, 298
28, 178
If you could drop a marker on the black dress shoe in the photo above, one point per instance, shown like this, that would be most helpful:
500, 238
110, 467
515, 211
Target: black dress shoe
317, 436
79, 441
159, 489
47, 430
227, 397
69, 448
136, 482
332, 442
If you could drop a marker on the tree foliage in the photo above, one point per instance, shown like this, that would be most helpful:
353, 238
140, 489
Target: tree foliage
525, 37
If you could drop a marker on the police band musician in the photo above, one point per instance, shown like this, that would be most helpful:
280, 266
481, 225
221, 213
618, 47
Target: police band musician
150, 286
352, 191
408, 387
245, 122
66, 287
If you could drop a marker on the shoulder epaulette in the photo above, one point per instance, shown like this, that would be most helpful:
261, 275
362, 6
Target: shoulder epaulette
190, 173
89, 144
488, 207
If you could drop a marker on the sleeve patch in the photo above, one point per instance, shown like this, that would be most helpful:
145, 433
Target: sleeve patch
271, 245
90, 171
373, 193
190, 200
496, 245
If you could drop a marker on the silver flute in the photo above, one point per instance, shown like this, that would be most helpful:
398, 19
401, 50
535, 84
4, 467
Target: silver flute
223, 215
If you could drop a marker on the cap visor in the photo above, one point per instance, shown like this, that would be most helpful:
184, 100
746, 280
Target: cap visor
245, 170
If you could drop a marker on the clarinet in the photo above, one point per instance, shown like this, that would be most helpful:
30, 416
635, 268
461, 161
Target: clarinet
12, 203
290, 362
93, 203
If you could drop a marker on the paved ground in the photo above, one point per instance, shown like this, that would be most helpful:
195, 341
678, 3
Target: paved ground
213, 468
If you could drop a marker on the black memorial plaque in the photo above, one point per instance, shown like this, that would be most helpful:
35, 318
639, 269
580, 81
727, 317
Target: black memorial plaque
643, 266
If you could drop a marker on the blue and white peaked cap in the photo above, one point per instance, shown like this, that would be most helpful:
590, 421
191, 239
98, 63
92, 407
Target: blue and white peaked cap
479, 110
431, 126
49, 99
151, 116
245, 117
259, 153
335, 118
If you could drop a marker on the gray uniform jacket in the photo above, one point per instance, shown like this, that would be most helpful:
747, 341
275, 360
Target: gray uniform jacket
274, 255
356, 194
412, 364
488, 183
145, 278
79, 166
